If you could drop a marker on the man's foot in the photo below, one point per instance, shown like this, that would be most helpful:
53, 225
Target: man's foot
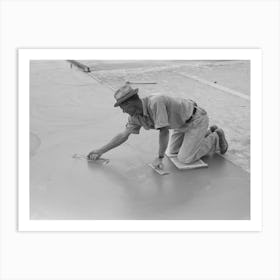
211, 130
222, 141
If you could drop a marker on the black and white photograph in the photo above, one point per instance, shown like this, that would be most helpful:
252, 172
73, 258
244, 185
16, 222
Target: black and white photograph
140, 139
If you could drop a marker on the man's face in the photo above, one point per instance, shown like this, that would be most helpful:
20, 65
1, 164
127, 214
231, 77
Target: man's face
129, 107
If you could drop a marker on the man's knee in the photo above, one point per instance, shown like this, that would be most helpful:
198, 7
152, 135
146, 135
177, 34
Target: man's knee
185, 159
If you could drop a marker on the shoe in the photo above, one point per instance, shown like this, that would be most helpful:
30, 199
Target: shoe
211, 129
222, 141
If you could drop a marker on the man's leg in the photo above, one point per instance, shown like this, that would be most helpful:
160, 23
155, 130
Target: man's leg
195, 145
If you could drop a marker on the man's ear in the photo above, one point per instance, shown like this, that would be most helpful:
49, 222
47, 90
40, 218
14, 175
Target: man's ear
128, 102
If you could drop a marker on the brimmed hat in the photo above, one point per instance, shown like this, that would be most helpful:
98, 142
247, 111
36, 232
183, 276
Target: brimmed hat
124, 93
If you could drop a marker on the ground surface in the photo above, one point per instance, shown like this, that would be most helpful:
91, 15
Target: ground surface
72, 112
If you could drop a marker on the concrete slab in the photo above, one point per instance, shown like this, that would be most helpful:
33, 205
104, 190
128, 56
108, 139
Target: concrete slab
72, 113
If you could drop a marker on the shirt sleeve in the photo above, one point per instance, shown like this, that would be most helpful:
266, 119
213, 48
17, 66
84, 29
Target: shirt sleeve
133, 126
160, 114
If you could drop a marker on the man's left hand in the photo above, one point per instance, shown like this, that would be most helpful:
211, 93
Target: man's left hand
157, 163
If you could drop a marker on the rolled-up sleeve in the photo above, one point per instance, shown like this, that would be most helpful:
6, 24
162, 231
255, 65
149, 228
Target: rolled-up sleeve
133, 126
160, 114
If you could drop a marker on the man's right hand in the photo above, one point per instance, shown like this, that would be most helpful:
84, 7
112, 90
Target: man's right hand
116, 141
94, 155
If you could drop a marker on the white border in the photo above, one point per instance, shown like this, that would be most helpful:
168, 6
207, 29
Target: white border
24, 57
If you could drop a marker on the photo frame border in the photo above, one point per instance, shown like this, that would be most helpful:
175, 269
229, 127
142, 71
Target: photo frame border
255, 57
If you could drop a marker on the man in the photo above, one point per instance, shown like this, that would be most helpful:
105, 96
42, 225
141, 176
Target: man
190, 139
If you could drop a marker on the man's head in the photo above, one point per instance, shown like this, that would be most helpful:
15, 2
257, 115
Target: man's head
128, 100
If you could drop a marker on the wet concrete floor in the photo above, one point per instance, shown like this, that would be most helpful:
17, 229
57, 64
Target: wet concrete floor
72, 113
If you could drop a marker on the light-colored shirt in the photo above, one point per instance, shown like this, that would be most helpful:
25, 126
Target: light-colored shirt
161, 111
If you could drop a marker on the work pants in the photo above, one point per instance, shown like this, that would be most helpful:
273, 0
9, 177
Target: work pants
189, 141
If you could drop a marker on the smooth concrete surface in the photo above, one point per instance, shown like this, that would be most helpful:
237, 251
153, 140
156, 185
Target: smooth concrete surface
73, 113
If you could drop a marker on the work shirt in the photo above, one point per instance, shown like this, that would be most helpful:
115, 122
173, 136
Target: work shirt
161, 111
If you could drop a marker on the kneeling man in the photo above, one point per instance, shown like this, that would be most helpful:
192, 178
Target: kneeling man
190, 138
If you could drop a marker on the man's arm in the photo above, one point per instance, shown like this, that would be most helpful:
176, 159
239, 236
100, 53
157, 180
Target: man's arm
115, 142
163, 142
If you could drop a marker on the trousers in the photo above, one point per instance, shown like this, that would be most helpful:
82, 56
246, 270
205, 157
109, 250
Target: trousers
190, 141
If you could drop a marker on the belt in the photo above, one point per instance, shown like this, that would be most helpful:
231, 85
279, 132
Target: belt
193, 113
